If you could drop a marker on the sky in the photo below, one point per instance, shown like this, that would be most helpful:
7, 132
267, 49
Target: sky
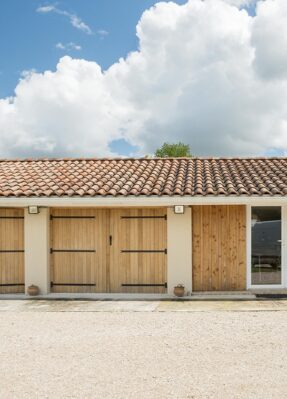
119, 78
33, 43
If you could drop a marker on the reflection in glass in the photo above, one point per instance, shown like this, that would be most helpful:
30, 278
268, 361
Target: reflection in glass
266, 245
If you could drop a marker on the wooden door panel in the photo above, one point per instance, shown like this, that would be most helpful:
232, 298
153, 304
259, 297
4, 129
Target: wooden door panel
219, 248
138, 250
79, 250
74, 268
12, 251
130, 250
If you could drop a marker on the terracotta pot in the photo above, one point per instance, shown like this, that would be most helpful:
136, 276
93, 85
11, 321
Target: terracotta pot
33, 290
178, 291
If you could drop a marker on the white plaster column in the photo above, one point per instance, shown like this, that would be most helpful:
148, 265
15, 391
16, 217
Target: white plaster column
179, 250
36, 231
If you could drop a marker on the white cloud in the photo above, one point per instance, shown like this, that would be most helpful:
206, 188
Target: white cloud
79, 24
270, 39
102, 32
60, 46
75, 46
68, 46
201, 75
27, 73
75, 21
45, 9
241, 3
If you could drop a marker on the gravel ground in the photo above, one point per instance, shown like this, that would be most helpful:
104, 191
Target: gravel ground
143, 354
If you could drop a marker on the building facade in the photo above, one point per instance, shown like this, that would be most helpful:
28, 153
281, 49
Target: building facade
143, 225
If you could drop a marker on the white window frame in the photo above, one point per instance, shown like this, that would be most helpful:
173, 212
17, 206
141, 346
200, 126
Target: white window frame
283, 249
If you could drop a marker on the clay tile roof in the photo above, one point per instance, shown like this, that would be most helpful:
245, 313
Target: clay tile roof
157, 176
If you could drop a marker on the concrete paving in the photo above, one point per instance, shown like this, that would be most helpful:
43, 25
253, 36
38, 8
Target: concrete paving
227, 306
141, 306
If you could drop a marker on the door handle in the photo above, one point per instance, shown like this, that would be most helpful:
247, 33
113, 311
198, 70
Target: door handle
111, 240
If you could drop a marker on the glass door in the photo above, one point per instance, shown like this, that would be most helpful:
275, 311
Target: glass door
266, 245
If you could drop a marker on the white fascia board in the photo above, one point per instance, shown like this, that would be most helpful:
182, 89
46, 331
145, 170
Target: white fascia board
140, 201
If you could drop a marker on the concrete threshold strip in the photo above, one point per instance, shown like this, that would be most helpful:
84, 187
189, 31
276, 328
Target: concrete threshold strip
123, 306
200, 302
206, 296
200, 296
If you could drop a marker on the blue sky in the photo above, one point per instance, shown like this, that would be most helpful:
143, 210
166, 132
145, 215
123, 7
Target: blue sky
32, 45
200, 77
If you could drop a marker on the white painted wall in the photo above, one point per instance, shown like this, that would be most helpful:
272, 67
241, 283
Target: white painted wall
179, 253
36, 232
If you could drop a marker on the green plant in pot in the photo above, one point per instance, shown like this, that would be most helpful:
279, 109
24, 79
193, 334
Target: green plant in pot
179, 290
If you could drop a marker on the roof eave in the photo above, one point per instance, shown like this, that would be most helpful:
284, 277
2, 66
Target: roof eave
141, 201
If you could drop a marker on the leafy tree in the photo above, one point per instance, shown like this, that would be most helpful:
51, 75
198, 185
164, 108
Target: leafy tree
176, 150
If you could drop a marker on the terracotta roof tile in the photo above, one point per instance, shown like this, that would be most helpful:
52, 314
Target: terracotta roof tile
164, 177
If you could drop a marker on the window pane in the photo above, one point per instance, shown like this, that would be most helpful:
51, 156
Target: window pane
266, 245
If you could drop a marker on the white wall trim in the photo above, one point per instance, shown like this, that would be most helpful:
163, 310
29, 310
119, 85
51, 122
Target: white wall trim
191, 249
110, 202
179, 250
284, 246
283, 249
248, 246
37, 256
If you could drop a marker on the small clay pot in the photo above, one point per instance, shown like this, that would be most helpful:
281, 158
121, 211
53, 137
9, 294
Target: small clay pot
179, 290
33, 290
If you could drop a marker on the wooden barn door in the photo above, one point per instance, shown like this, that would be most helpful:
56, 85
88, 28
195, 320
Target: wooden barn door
108, 250
219, 248
11, 251
138, 250
79, 245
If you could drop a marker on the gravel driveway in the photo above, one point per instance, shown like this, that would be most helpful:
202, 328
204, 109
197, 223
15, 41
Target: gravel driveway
142, 354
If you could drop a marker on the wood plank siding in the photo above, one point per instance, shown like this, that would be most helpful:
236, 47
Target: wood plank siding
219, 248
11, 251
